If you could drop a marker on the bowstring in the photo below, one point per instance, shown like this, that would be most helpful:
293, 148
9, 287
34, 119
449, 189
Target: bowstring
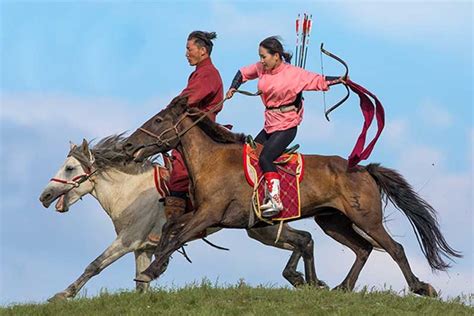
322, 73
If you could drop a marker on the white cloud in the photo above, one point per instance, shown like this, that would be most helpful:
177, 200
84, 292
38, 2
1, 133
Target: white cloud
240, 24
396, 131
56, 112
421, 160
94, 117
408, 20
435, 115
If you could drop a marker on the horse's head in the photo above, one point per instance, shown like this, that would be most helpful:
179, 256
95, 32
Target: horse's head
159, 134
72, 180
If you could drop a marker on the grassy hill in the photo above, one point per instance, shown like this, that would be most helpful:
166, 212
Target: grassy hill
206, 299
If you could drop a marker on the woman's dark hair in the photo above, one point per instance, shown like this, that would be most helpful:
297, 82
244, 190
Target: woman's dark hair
273, 45
203, 39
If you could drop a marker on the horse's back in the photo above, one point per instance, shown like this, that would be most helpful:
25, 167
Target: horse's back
327, 178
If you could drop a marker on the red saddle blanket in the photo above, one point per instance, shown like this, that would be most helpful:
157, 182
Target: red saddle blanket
290, 168
161, 177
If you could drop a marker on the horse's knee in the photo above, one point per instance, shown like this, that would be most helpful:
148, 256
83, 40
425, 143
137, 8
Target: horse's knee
306, 243
398, 251
92, 269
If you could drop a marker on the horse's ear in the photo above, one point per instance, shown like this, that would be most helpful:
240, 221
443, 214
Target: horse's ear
87, 152
85, 146
181, 104
72, 146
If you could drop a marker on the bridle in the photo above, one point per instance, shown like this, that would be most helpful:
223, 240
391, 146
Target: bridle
76, 181
177, 134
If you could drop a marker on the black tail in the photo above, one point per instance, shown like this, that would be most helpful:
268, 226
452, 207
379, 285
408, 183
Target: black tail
421, 215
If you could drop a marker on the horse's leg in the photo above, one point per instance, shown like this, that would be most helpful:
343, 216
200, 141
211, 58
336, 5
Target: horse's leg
339, 227
300, 243
175, 234
111, 254
375, 229
142, 261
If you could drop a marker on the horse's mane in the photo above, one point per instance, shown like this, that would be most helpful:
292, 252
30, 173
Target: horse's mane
216, 132
109, 155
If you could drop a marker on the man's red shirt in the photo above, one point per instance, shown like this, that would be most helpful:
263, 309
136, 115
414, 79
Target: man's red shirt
205, 88
204, 91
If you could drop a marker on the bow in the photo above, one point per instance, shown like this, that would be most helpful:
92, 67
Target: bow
344, 78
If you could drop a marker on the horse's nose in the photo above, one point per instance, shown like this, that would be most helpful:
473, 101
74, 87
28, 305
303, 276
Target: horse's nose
45, 198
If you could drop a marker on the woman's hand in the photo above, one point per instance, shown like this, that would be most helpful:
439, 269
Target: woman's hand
230, 93
338, 81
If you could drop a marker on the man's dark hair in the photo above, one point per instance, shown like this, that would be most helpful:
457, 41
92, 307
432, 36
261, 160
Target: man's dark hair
203, 39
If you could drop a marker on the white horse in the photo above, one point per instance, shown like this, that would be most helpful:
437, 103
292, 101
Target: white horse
128, 194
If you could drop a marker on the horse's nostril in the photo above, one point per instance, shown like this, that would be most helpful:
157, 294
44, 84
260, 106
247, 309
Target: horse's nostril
45, 197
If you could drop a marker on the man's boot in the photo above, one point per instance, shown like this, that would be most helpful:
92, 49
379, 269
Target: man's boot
174, 207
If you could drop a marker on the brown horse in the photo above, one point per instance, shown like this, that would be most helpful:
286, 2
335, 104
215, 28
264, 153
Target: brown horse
335, 197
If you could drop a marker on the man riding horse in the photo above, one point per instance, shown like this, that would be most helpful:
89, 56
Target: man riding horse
204, 91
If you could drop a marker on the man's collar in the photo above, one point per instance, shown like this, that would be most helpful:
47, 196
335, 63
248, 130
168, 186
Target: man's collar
204, 62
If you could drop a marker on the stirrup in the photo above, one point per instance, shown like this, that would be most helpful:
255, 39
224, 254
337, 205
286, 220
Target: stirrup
267, 205
269, 213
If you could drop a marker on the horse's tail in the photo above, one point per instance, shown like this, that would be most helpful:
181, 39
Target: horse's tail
422, 216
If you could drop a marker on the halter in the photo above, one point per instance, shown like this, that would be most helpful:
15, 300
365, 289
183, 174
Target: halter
76, 181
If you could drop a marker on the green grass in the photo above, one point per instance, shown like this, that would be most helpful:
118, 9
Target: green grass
208, 299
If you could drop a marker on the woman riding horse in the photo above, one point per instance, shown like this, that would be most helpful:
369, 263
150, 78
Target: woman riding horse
280, 85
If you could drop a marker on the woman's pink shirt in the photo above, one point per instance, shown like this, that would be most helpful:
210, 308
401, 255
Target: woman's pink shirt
280, 86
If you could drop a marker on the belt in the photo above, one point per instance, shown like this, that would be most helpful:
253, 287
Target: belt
284, 108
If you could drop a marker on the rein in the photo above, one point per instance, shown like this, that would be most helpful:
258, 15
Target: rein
166, 141
174, 128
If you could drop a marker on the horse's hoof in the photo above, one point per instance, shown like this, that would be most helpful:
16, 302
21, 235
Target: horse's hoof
141, 287
341, 287
143, 278
61, 296
294, 277
322, 285
426, 290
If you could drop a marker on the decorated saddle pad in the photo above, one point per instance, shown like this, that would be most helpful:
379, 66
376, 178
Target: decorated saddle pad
161, 177
290, 168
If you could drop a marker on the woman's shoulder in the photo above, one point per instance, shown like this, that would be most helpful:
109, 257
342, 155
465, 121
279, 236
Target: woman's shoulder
255, 67
292, 68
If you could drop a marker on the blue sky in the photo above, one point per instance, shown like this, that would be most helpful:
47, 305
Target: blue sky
89, 69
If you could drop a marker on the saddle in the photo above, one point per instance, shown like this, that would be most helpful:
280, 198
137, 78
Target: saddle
289, 166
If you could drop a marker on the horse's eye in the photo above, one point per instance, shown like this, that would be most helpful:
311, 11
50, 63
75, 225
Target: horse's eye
158, 119
69, 168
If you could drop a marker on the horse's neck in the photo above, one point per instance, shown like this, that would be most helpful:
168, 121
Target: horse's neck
115, 190
195, 143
